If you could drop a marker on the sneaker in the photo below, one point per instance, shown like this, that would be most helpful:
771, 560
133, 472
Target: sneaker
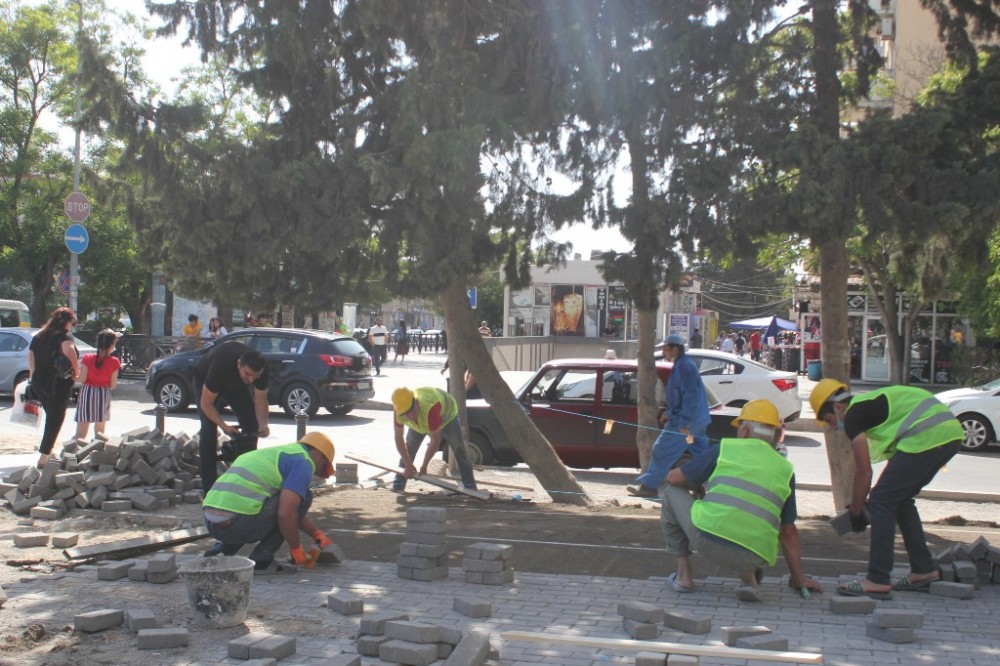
641, 491
274, 567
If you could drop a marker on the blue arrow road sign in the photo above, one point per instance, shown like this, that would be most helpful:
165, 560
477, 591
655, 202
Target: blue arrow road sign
77, 238
472, 297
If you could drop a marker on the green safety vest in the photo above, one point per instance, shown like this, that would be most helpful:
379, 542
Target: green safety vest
252, 479
426, 398
745, 495
917, 422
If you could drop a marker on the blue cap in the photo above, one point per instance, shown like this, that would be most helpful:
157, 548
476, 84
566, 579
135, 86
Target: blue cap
674, 339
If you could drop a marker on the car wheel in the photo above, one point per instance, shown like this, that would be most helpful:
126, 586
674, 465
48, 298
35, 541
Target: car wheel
300, 397
978, 432
340, 410
480, 451
172, 392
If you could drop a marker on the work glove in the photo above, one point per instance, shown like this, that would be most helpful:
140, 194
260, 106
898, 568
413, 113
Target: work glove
321, 539
859, 521
299, 556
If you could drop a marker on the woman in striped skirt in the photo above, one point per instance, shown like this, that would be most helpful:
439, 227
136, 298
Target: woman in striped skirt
98, 374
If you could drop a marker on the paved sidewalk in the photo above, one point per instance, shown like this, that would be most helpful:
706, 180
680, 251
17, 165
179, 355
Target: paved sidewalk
959, 633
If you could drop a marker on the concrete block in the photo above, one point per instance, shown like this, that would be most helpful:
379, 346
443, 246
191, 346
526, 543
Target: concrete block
138, 571
402, 652
977, 549
472, 650
889, 634
260, 662
192, 497
344, 660
331, 554
98, 479
640, 611
485, 566
901, 619
114, 570
947, 572
368, 645
426, 513
445, 650
374, 625
689, 623
160, 577
31, 539
502, 578
992, 555
116, 505
162, 639
427, 526
682, 660
22, 507
763, 642
474, 577
239, 648
965, 570
345, 603
942, 588
162, 563
732, 634
422, 562
140, 618
435, 573
471, 607
451, 635
45, 513
98, 620
650, 659
143, 501
414, 632
276, 647
640, 631
425, 538
851, 605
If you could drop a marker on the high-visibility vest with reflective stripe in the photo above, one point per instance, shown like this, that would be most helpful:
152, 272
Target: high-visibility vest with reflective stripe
917, 422
252, 479
426, 398
745, 495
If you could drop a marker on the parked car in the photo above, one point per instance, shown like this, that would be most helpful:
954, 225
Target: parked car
737, 380
307, 370
586, 408
14, 357
978, 408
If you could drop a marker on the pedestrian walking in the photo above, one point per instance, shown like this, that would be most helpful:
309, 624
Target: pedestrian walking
99, 376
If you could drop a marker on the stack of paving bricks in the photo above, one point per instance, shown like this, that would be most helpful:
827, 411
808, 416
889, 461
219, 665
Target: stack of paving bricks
393, 638
142, 622
346, 473
488, 563
141, 469
967, 564
423, 554
261, 645
894, 626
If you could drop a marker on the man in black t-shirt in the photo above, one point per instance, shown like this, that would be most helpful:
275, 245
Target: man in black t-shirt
237, 374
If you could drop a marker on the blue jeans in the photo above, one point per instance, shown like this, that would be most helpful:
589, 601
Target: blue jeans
667, 450
260, 528
891, 502
451, 435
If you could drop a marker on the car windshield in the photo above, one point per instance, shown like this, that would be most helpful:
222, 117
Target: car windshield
995, 384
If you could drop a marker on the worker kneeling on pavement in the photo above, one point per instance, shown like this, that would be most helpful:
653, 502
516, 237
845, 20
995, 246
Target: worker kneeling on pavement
428, 411
264, 498
748, 506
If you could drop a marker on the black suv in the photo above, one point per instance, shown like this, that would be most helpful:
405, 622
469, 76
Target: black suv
307, 370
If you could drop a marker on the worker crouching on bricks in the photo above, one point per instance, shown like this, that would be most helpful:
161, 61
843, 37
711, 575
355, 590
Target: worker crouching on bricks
264, 498
918, 435
747, 510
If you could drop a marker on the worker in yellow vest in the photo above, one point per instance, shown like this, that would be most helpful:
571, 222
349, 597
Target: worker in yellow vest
747, 509
428, 411
918, 435
264, 498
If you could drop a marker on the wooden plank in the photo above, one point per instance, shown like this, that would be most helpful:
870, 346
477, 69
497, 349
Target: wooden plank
667, 648
480, 482
434, 481
150, 542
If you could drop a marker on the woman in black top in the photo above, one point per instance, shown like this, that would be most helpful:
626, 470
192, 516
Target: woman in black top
51, 390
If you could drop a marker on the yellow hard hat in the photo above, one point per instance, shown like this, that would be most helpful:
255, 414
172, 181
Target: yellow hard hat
823, 391
321, 443
759, 411
402, 400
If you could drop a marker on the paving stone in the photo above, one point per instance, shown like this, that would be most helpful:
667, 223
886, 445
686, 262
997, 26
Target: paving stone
162, 563
138, 571
890, 634
331, 554
485, 566
681, 660
403, 652
471, 607
426, 513
964, 570
162, 639
140, 618
98, 620
239, 648
763, 642
427, 526
851, 605
345, 603
732, 634
435, 573
942, 588
977, 549
276, 647
31, 539
472, 650
689, 623
414, 632
650, 659
368, 645
344, 660
116, 505
423, 562
903, 619
641, 631
160, 577
114, 570
45, 513
260, 662
426, 538
374, 625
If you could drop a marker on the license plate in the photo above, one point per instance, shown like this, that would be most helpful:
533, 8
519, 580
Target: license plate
364, 385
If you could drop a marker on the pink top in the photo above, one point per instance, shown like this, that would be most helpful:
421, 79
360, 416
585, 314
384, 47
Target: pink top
100, 377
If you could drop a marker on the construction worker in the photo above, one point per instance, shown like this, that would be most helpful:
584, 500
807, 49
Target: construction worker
428, 411
748, 508
918, 435
685, 420
264, 498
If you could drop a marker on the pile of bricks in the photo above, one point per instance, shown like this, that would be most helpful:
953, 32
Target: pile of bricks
346, 473
423, 554
141, 469
488, 563
142, 622
158, 569
393, 638
972, 564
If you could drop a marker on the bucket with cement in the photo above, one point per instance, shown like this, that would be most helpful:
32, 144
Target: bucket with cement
218, 590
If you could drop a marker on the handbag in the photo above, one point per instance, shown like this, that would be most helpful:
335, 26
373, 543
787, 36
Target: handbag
62, 368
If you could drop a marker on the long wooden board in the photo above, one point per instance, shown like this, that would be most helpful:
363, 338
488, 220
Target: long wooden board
434, 481
480, 482
667, 648
150, 542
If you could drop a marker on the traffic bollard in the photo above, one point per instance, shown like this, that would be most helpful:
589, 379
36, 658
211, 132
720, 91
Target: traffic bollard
301, 419
160, 412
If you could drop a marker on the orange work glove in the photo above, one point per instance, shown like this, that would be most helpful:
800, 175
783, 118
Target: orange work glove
321, 539
299, 556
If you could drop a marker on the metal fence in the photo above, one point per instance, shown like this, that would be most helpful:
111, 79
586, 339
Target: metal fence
137, 351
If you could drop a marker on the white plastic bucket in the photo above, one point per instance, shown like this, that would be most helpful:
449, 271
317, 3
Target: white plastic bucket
218, 590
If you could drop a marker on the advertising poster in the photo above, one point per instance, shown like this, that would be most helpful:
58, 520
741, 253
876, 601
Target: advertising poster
567, 310
616, 308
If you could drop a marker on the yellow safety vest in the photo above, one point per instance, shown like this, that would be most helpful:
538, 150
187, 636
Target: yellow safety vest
426, 399
252, 479
917, 422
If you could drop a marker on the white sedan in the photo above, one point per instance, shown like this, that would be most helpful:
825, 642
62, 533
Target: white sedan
736, 380
978, 408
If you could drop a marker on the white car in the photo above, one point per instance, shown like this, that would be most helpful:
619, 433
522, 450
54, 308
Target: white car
14, 356
736, 380
978, 408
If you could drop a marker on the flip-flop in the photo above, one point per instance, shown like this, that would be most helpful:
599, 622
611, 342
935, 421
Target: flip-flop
676, 586
747, 593
856, 589
904, 584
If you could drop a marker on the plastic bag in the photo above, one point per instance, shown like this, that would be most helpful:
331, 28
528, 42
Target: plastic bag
26, 413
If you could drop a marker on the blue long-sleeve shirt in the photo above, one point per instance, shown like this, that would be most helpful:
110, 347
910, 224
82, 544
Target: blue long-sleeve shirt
686, 403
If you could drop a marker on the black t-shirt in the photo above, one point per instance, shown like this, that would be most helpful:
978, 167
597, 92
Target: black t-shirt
44, 348
865, 415
219, 368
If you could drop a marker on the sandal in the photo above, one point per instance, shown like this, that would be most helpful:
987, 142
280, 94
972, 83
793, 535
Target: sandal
856, 589
641, 491
904, 584
676, 586
747, 593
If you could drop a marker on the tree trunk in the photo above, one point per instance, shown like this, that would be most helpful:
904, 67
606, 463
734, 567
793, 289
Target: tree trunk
465, 342
648, 425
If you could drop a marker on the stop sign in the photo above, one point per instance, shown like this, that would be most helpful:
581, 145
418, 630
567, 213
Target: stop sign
77, 206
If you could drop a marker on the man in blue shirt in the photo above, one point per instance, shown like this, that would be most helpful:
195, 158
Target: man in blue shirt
685, 421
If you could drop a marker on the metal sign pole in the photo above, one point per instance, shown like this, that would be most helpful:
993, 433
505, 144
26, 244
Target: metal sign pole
74, 259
